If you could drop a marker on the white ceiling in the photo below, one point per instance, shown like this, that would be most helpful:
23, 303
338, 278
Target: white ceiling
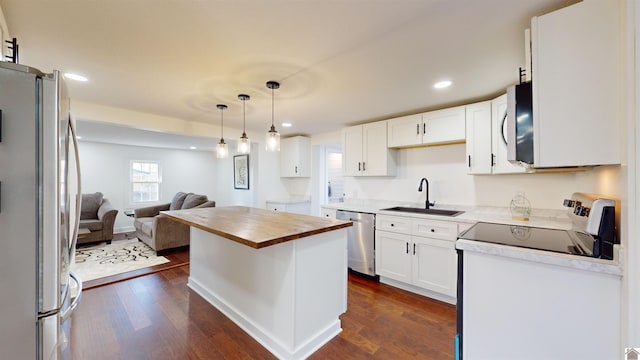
339, 62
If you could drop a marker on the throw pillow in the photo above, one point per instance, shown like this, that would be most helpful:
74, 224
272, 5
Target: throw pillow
193, 200
90, 205
178, 199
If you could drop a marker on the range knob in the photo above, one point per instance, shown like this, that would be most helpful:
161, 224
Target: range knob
568, 203
581, 210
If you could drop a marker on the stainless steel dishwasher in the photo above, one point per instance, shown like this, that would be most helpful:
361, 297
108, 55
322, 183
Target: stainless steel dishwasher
360, 239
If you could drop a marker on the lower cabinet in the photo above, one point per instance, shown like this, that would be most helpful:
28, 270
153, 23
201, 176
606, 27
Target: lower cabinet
292, 207
326, 212
405, 254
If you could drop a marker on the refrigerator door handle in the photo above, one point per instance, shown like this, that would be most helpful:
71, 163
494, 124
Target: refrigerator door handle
68, 311
74, 238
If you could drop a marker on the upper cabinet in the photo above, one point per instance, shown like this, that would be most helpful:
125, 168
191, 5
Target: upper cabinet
576, 78
486, 138
365, 151
295, 157
431, 128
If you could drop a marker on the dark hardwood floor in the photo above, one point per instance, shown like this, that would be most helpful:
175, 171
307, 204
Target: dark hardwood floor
156, 316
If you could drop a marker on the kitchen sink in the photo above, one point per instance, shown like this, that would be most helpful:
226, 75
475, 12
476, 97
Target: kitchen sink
414, 210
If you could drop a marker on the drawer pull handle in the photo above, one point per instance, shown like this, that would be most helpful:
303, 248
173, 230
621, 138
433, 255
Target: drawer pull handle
433, 230
392, 225
407, 248
414, 248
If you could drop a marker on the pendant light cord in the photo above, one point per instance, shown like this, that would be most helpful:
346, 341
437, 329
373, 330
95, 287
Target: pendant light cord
272, 107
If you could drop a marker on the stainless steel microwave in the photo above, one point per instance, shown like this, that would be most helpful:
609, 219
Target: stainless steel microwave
520, 124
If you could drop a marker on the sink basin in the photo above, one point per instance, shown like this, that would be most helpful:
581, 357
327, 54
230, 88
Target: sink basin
441, 212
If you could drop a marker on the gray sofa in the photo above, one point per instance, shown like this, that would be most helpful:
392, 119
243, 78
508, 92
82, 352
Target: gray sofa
98, 216
161, 232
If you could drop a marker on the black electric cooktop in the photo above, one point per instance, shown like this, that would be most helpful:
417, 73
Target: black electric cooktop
558, 241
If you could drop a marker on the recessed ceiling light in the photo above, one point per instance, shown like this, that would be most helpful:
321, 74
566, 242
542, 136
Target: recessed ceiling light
442, 84
286, 124
192, 147
75, 77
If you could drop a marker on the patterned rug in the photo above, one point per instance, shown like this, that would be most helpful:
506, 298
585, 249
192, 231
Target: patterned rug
121, 256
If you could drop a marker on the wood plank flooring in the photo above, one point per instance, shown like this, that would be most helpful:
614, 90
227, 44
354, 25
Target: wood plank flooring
157, 316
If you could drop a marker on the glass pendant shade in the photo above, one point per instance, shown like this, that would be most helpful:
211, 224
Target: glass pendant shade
221, 150
272, 139
244, 145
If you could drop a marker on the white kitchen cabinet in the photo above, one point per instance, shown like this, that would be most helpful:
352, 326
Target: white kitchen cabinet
326, 212
295, 157
297, 207
430, 128
417, 252
405, 131
393, 259
444, 126
486, 141
435, 265
577, 84
365, 151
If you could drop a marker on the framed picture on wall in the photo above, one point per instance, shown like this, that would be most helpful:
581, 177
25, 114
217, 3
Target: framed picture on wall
241, 172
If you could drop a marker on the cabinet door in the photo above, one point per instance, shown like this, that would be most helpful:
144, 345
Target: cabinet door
377, 160
327, 213
434, 265
577, 85
405, 131
352, 151
444, 126
393, 259
478, 123
499, 138
295, 157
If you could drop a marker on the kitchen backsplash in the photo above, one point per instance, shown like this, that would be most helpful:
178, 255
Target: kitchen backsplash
449, 183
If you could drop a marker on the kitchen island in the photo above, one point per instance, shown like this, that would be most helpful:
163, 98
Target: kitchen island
281, 277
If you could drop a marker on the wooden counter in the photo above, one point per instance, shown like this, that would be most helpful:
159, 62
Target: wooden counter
288, 295
253, 227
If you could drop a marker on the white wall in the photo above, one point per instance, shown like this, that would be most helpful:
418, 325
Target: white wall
449, 183
105, 168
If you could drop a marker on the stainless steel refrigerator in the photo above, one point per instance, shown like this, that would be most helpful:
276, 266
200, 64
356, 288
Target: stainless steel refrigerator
39, 210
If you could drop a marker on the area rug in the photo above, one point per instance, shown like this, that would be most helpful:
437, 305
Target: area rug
121, 256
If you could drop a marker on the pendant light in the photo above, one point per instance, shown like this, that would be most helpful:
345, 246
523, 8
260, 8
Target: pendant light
273, 137
221, 150
244, 146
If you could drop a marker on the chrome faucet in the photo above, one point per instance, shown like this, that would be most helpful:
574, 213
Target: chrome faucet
427, 203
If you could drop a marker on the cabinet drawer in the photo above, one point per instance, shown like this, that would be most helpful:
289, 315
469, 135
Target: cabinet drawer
328, 213
396, 224
435, 229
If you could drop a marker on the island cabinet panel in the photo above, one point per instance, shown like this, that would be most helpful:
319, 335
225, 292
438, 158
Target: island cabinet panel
287, 296
515, 308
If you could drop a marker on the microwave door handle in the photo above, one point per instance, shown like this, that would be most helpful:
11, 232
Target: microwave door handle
76, 224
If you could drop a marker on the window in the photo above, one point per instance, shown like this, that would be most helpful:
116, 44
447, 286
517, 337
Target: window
145, 181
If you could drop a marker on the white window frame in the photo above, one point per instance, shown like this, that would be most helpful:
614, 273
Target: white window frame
131, 182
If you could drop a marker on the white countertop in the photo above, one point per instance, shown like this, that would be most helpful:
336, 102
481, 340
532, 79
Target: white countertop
612, 267
546, 218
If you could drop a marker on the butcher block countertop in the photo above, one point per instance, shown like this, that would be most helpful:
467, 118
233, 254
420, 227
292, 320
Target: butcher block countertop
254, 227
